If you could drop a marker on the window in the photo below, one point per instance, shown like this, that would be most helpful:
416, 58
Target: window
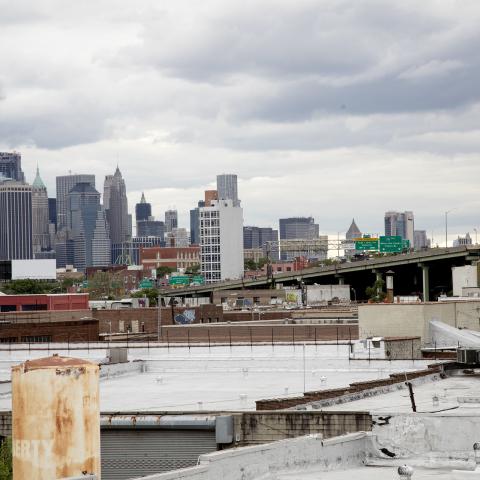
8, 340
37, 339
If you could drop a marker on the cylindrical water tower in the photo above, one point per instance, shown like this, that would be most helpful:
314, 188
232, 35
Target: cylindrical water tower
56, 419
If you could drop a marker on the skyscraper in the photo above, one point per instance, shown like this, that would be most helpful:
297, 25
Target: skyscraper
115, 204
40, 214
171, 220
400, 224
64, 184
352, 232
143, 210
294, 228
421, 241
258, 237
87, 221
227, 188
15, 220
151, 228
195, 224
11, 166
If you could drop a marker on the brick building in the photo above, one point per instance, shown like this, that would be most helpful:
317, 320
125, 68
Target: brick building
27, 303
152, 258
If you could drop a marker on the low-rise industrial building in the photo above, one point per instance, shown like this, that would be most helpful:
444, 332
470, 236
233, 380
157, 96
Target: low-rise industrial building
26, 303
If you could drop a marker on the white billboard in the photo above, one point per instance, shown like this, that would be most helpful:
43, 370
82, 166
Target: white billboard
34, 269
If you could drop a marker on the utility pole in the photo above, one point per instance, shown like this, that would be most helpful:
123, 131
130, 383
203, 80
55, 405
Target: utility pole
159, 318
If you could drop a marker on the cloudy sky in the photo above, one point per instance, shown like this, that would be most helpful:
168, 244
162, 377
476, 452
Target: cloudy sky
330, 108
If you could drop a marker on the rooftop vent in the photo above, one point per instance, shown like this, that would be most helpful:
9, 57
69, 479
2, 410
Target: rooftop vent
405, 472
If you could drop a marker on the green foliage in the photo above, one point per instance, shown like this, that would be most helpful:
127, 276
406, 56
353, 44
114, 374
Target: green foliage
36, 287
162, 271
25, 287
375, 292
150, 293
261, 262
250, 264
6, 470
193, 270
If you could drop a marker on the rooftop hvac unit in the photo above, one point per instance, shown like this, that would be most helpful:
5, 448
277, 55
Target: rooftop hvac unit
468, 356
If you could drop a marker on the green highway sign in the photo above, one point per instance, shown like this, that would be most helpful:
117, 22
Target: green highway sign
366, 244
391, 244
406, 244
145, 283
179, 280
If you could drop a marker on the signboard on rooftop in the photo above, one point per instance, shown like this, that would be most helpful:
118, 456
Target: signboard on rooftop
44, 269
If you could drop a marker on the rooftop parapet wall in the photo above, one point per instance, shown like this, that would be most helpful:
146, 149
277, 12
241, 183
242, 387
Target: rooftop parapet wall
342, 393
258, 461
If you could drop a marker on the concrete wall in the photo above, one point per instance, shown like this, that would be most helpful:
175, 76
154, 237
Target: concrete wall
447, 434
264, 427
403, 348
254, 463
466, 276
402, 320
317, 294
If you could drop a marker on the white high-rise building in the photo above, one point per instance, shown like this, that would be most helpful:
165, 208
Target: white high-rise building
221, 241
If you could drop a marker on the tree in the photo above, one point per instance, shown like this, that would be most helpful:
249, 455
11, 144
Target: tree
162, 271
375, 293
250, 264
25, 287
261, 262
6, 469
150, 293
193, 270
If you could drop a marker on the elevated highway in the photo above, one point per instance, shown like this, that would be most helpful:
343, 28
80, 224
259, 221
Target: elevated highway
426, 273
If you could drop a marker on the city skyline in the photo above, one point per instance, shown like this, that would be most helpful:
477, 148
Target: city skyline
383, 124
455, 229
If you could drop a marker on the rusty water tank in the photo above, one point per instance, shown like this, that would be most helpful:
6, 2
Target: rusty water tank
56, 419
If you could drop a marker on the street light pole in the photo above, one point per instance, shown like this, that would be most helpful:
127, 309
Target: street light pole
159, 318
446, 226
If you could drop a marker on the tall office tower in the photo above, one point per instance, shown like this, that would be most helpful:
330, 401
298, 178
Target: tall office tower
11, 166
143, 210
101, 242
171, 220
400, 224
52, 211
352, 232
265, 238
221, 241
227, 188
151, 228
64, 248
116, 207
257, 237
40, 220
294, 228
87, 224
195, 223
64, 184
15, 220
421, 242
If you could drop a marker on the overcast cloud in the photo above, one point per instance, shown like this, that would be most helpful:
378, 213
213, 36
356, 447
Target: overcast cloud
330, 108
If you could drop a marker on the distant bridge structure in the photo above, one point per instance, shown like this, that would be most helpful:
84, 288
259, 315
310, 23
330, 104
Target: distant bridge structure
426, 273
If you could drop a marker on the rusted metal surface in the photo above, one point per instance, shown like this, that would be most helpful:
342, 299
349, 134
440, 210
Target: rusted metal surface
56, 419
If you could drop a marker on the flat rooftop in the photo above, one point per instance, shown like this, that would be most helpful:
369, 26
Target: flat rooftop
457, 395
222, 378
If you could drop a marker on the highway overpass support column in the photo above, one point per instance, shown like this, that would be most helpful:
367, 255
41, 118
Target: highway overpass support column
426, 281
341, 279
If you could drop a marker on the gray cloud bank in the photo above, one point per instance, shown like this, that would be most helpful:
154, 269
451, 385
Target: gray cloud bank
331, 108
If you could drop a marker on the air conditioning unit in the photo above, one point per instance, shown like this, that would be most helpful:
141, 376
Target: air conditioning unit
468, 356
